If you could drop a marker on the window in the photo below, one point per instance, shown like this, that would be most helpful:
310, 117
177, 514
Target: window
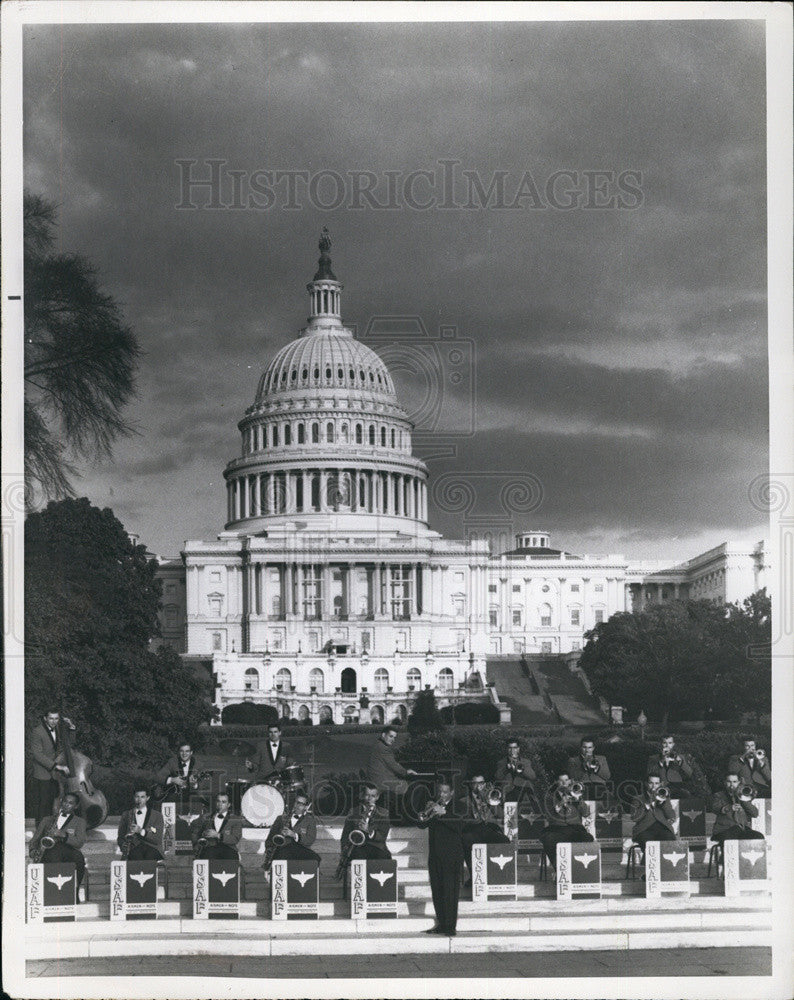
574, 588
301, 434
381, 680
414, 678
545, 647
516, 588
287, 434
383, 437
275, 437
545, 588
446, 679
460, 606
252, 679
545, 616
329, 433
400, 592
216, 641
575, 646
317, 679
371, 434
315, 433
516, 616
283, 679
599, 616
392, 438
491, 588
345, 433
493, 618
575, 616
312, 593
461, 641
599, 588
359, 434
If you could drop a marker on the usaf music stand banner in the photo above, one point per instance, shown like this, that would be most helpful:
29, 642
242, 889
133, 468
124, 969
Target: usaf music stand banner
692, 821
524, 817
493, 871
133, 890
295, 890
216, 890
52, 893
666, 868
578, 871
763, 821
373, 888
168, 810
745, 866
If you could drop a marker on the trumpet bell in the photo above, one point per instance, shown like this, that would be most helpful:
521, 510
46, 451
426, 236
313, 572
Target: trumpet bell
745, 792
663, 792
47, 843
279, 840
577, 789
495, 797
356, 837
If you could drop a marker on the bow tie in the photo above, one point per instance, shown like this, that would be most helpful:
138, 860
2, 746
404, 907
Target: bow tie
221, 816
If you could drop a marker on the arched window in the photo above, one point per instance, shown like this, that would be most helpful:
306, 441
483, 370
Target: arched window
340, 374
326, 715
315, 433
317, 679
414, 678
402, 713
383, 437
359, 434
283, 679
275, 436
381, 680
329, 432
348, 680
372, 434
545, 615
393, 436
252, 679
328, 373
301, 434
376, 714
446, 679
345, 434
287, 434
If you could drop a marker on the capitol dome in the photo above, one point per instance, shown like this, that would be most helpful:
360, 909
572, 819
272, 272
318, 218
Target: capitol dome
326, 433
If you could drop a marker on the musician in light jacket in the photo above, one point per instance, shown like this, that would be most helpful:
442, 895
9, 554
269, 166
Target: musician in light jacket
734, 812
68, 831
299, 828
44, 747
144, 827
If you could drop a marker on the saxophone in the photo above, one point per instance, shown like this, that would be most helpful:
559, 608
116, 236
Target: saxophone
46, 841
355, 838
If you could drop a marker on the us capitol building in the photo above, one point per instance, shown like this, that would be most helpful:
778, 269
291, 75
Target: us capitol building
329, 596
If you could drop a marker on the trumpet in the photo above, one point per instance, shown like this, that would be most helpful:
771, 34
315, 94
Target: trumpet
494, 796
430, 810
746, 792
662, 793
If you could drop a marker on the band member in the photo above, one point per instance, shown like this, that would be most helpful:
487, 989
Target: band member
515, 774
753, 769
218, 835
482, 824
372, 822
734, 812
591, 770
673, 769
179, 777
299, 828
140, 833
385, 773
68, 831
44, 749
564, 812
271, 756
652, 814
444, 858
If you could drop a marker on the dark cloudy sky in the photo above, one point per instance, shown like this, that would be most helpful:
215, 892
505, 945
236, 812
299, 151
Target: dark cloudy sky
618, 355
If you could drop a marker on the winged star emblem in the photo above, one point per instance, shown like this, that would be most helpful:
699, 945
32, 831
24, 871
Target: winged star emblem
674, 857
501, 860
302, 877
609, 815
585, 859
692, 814
224, 877
530, 816
752, 856
59, 881
142, 878
382, 877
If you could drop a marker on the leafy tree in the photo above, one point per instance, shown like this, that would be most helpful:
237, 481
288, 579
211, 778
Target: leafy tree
91, 618
425, 716
80, 359
686, 659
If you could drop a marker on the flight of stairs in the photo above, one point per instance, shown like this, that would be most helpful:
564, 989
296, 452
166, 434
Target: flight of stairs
536, 921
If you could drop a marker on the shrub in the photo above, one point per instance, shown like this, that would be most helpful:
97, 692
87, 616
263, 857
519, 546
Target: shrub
471, 713
248, 714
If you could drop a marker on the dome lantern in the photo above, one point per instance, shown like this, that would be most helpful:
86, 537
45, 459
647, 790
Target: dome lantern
325, 292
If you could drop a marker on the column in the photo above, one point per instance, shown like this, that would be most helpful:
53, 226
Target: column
258, 498
354, 489
271, 493
191, 591
307, 490
288, 589
324, 490
326, 595
414, 578
346, 581
300, 590
389, 498
374, 594
426, 590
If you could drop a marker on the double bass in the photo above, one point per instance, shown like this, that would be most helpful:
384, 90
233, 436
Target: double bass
93, 805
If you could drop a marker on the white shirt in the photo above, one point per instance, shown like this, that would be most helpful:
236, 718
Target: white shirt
219, 820
274, 749
293, 821
62, 819
140, 816
53, 734
184, 768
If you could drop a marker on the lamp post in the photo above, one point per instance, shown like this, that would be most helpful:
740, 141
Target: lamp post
642, 722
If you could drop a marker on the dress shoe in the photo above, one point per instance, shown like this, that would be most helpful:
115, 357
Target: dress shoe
433, 930
451, 933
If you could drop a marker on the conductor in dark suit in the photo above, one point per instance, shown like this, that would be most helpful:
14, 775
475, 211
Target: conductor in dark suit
218, 835
652, 814
44, 749
68, 831
444, 858
299, 828
271, 756
734, 812
591, 770
144, 826
515, 774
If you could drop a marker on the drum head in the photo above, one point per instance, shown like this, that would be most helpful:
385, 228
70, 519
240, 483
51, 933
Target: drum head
261, 804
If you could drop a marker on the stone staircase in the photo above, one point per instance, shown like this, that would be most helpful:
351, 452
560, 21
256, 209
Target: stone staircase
535, 921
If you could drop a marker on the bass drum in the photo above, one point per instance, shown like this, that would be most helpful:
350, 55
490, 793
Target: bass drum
261, 804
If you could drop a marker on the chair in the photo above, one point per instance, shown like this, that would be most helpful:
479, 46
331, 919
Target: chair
632, 860
715, 859
543, 867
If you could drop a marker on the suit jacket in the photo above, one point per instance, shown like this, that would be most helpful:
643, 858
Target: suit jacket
761, 777
510, 781
734, 817
306, 829
678, 774
473, 812
578, 772
153, 828
230, 832
444, 835
43, 751
172, 769
379, 825
74, 827
571, 814
265, 765
383, 769
660, 812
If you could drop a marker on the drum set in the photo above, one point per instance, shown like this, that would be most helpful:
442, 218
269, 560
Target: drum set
261, 802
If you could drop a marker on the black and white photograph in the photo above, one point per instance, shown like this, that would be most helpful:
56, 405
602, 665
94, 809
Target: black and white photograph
397, 500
